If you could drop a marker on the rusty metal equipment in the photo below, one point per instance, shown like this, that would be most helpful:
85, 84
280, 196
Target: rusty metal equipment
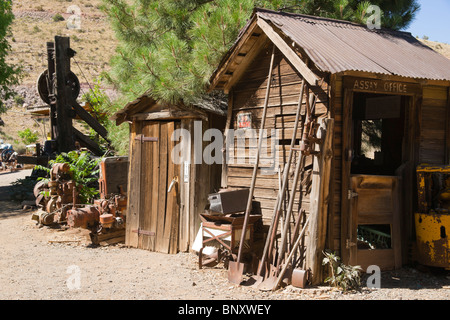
86, 217
113, 176
228, 201
55, 195
432, 221
300, 278
104, 218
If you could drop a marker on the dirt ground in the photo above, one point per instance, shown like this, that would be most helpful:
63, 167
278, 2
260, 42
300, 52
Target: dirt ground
40, 263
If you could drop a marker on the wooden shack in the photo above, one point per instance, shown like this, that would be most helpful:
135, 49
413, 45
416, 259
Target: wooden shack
165, 197
384, 95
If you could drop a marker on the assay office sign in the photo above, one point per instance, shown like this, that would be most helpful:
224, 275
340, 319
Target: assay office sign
381, 86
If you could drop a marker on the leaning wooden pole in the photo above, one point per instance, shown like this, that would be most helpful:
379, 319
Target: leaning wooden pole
281, 194
255, 168
299, 168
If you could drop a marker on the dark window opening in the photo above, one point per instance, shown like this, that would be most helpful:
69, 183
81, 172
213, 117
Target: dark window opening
375, 236
378, 130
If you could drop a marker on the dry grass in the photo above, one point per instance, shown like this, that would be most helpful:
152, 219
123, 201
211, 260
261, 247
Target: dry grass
34, 26
442, 48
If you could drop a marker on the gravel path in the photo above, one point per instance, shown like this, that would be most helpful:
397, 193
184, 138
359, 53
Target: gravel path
46, 263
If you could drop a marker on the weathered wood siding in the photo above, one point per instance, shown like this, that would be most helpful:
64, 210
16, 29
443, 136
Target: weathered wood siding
433, 126
248, 96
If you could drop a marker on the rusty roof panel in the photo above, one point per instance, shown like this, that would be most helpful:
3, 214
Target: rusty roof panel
337, 46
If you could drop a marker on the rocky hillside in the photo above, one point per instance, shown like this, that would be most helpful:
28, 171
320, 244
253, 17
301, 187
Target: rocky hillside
442, 48
38, 22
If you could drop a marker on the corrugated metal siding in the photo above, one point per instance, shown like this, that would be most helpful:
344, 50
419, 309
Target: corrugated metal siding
338, 46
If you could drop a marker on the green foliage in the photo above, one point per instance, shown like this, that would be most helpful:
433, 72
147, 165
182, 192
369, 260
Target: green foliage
57, 17
27, 136
103, 109
342, 276
169, 49
9, 74
85, 172
99, 104
396, 15
18, 99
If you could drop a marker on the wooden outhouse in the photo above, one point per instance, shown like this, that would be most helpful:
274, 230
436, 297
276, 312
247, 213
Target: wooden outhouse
166, 195
384, 95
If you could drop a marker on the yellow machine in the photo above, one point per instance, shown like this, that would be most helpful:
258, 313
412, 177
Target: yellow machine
432, 220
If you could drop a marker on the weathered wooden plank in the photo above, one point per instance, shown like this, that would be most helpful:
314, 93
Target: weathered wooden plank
184, 199
319, 201
146, 187
90, 120
86, 142
133, 205
435, 92
247, 36
238, 71
346, 256
162, 187
170, 240
382, 258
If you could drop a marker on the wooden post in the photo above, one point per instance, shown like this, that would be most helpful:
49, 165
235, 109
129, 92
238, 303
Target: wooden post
347, 108
447, 131
319, 200
50, 86
64, 137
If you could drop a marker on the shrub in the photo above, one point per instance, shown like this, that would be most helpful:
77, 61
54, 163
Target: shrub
57, 17
85, 172
18, 99
28, 137
342, 276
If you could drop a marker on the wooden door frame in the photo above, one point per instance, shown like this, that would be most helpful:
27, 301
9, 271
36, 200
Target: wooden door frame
410, 157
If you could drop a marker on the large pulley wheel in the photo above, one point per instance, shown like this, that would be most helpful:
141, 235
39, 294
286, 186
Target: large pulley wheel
39, 187
51, 205
43, 90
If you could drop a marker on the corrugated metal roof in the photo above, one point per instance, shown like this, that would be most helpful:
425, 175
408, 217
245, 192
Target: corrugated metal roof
337, 46
209, 103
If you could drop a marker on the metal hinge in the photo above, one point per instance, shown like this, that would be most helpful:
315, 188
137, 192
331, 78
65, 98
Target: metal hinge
349, 244
143, 138
352, 194
145, 232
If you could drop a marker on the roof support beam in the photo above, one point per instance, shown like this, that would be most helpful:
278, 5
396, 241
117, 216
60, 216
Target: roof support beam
290, 54
250, 56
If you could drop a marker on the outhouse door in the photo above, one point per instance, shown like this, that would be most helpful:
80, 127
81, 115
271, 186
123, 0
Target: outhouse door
153, 214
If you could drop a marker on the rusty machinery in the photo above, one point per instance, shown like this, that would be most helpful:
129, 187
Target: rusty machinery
58, 199
432, 221
106, 217
55, 195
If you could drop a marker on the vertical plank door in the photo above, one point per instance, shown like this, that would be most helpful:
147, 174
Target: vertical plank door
154, 217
